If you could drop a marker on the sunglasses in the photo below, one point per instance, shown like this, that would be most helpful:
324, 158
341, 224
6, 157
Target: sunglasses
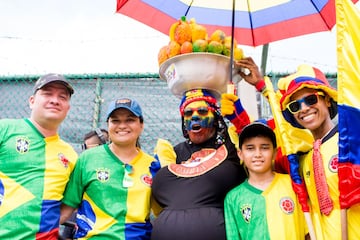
295, 106
127, 180
202, 111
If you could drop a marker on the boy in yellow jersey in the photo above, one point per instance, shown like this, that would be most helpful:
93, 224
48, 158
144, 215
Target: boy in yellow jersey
264, 206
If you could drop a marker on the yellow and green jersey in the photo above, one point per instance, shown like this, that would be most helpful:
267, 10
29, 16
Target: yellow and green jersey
34, 171
112, 203
274, 213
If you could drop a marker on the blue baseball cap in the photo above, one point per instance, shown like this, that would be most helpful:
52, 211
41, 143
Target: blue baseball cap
126, 103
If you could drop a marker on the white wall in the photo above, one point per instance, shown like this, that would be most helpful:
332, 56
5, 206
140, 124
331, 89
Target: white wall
247, 94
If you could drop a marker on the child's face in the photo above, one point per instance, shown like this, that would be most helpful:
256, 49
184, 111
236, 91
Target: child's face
257, 154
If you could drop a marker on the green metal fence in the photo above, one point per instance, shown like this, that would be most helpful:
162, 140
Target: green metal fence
89, 105
92, 96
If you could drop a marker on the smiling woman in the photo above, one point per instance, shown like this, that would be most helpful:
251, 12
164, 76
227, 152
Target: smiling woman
119, 166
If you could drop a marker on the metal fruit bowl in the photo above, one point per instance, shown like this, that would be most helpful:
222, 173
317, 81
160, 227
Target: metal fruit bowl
196, 70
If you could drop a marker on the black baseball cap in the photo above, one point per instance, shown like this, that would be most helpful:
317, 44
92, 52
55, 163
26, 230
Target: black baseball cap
53, 77
256, 129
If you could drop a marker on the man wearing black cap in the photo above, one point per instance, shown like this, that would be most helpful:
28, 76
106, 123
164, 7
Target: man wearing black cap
35, 163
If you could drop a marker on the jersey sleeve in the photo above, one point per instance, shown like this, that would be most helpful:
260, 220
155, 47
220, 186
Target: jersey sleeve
74, 189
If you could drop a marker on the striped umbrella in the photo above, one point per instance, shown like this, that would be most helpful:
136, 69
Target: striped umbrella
254, 22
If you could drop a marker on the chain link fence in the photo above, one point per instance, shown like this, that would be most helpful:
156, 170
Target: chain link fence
92, 96
90, 101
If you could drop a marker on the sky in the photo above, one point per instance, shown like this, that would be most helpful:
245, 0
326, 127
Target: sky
87, 36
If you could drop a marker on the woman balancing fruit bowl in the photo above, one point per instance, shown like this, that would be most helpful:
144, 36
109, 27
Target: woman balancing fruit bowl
191, 188
197, 173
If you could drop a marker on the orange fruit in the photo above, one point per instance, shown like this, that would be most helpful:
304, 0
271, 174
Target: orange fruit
215, 47
180, 31
218, 36
162, 55
227, 42
186, 47
238, 54
173, 49
227, 45
200, 45
197, 31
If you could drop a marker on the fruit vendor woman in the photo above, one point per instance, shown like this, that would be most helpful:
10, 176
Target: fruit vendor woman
191, 191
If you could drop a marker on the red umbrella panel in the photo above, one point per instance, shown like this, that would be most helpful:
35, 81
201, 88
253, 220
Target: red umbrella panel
256, 22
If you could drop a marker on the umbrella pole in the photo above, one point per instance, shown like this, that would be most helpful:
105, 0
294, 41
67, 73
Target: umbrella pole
231, 87
344, 231
310, 225
264, 55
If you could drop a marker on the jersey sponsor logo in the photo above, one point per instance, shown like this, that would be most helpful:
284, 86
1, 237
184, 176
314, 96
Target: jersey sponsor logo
63, 160
246, 212
103, 174
146, 179
22, 145
287, 205
333, 163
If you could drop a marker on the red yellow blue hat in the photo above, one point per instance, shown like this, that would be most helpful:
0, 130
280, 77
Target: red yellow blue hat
197, 95
305, 77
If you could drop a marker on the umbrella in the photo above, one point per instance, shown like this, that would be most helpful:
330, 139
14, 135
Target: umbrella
256, 22
251, 23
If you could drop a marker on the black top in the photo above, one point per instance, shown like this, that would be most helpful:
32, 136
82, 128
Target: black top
193, 206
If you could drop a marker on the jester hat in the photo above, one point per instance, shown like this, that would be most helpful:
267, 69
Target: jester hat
305, 77
198, 95
210, 98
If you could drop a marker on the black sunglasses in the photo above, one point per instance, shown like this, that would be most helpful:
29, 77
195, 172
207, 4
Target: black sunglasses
202, 111
295, 106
